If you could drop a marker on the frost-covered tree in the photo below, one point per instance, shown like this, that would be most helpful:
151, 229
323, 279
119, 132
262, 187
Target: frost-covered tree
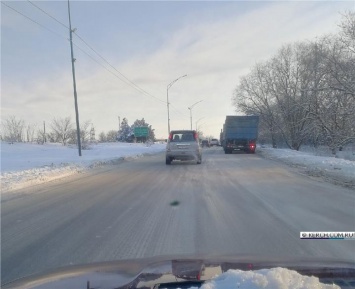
12, 129
347, 27
111, 136
84, 135
125, 133
41, 136
252, 96
335, 114
306, 92
62, 129
102, 137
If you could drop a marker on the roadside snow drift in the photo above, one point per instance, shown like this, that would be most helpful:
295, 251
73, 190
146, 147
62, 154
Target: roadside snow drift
336, 170
24, 164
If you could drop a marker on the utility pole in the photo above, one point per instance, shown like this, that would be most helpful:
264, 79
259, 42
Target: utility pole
119, 123
74, 84
44, 132
92, 133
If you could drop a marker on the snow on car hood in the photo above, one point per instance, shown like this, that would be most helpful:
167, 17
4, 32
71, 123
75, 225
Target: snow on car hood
275, 278
206, 274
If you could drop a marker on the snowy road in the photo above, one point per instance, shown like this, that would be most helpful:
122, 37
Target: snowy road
236, 204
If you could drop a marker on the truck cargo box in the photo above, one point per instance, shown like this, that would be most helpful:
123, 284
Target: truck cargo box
240, 133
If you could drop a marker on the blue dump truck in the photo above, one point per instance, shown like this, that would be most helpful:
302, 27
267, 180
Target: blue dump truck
239, 133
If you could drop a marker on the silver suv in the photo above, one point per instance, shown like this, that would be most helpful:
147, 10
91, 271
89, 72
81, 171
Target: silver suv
183, 145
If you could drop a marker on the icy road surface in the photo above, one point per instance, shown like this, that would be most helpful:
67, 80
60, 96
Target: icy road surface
240, 204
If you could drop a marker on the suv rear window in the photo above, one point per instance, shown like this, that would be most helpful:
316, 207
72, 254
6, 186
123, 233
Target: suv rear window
180, 136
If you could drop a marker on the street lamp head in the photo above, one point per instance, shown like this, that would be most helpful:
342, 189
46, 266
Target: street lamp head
171, 83
195, 104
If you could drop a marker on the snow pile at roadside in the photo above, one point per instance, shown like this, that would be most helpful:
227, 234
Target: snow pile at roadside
24, 164
276, 278
334, 169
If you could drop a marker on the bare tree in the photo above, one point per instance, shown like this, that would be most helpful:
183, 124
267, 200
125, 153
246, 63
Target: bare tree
200, 133
305, 93
288, 79
111, 136
13, 129
334, 114
41, 136
62, 128
84, 135
102, 137
347, 27
252, 96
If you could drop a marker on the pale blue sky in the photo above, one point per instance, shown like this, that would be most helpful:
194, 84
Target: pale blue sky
151, 43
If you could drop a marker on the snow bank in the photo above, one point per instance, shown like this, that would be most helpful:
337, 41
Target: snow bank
276, 278
336, 170
24, 164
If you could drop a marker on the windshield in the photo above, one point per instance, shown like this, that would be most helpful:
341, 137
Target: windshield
95, 109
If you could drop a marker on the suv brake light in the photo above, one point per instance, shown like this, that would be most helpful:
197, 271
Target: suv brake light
195, 136
170, 136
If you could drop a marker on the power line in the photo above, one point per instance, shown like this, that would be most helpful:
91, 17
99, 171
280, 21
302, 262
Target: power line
120, 73
55, 19
176, 110
121, 76
125, 79
34, 21
93, 59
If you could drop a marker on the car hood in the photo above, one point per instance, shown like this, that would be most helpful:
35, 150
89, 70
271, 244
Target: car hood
147, 272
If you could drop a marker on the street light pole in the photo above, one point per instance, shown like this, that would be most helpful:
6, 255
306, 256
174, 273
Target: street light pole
190, 108
167, 98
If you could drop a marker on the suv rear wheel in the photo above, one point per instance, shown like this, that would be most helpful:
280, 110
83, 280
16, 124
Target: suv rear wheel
168, 161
